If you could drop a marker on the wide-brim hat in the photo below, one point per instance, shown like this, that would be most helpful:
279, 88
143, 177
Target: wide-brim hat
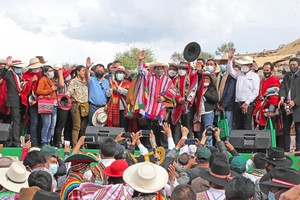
41, 59
34, 63
66, 72
122, 69
15, 177
99, 117
183, 64
223, 58
17, 63
219, 173
158, 63
85, 157
116, 169
277, 157
211, 76
64, 101
2, 61
57, 67
282, 177
191, 51
32, 100
5, 162
244, 60
146, 177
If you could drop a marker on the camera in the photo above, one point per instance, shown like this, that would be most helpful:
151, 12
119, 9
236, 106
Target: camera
210, 130
190, 141
146, 133
127, 135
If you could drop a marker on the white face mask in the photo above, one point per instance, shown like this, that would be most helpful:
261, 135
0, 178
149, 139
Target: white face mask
206, 84
35, 71
245, 68
172, 73
182, 72
159, 72
87, 175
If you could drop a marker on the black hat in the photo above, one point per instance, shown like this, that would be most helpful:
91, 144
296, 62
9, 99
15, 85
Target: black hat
219, 173
42, 194
191, 51
281, 177
277, 157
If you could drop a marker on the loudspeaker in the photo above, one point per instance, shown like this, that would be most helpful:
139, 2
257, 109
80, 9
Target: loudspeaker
94, 134
4, 132
250, 140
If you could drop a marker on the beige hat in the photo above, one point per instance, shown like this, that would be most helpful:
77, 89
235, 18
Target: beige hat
34, 63
157, 63
244, 60
99, 117
2, 61
57, 67
146, 177
15, 177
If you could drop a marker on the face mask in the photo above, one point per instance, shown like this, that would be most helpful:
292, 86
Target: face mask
293, 69
53, 168
210, 68
181, 72
119, 77
223, 68
18, 70
172, 73
206, 84
159, 72
271, 196
35, 71
87, 175
99, 74
51, 75
245, 68
267, 74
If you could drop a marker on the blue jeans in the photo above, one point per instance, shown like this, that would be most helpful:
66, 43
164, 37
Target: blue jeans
208, 119
49, 121
229, 116
34, 119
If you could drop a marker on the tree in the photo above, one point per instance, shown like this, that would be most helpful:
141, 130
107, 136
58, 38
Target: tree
177, 57
129, 58
223, 48
206, 55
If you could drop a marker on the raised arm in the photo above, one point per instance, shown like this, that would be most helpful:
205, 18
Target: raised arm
87, 69
230, 69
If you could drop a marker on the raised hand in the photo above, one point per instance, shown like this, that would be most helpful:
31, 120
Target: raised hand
231, 53
142, 55
9, 61
89, 63
167, 129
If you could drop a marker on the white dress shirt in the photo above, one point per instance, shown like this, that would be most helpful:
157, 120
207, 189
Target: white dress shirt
247, 85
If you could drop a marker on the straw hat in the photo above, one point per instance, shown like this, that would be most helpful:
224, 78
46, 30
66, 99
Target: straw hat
158, 63
99, 117
34, 63
146, 177
15, 177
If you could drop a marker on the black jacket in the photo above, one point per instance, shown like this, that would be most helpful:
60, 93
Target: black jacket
13, 98
211, 97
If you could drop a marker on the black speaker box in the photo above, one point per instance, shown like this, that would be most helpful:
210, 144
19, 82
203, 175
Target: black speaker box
250, 140
4, 132
94, 134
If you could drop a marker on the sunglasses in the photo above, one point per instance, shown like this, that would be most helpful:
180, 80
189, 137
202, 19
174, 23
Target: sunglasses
101, 86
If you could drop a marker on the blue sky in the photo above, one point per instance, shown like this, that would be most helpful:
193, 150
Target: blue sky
71, 30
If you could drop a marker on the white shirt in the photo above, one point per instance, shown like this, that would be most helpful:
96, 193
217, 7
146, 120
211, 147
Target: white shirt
247, 85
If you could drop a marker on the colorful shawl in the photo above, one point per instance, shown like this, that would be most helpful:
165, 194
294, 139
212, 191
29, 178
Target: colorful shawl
198, 99
114, 103
72, 184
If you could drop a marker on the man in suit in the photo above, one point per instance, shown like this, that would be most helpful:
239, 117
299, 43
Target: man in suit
290, 97
11, 74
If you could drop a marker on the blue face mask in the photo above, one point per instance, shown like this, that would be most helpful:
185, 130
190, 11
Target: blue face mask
51, 75
53, 169
223, 68
119, 76
18, 70
210, 68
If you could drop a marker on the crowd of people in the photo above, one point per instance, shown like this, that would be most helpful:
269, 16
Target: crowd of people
169, 112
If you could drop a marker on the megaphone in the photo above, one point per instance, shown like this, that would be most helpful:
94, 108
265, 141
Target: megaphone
191, 51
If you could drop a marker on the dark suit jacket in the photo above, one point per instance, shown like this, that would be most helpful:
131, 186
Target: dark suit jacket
228, 96
212, 98
13, 98
292, 83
